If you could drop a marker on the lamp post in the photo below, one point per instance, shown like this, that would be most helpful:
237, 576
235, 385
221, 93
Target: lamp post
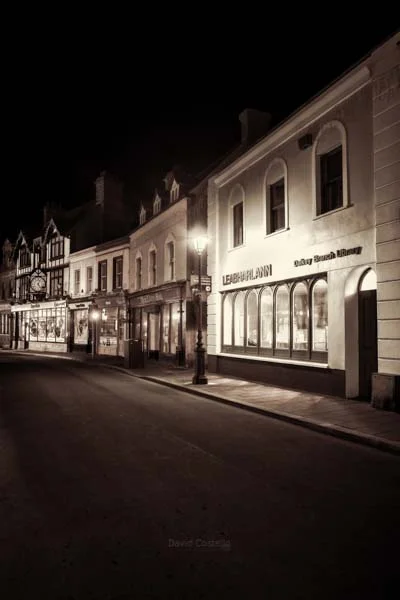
95, 317
199, 377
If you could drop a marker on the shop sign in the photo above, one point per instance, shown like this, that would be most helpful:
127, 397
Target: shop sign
38, 305
77, 305
248, 274
329, 256
149, 299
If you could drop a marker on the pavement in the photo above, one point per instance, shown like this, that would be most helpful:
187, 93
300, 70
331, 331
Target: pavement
352, 420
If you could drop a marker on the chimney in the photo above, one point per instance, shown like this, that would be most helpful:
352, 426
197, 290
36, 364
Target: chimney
254, 124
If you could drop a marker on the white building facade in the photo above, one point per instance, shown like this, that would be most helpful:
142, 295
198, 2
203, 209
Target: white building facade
111, 287
82, 286
299, 228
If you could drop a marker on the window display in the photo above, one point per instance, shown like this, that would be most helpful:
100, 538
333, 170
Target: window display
320, 316
266, 318
282, 317
300, 317
239, 319
252, 318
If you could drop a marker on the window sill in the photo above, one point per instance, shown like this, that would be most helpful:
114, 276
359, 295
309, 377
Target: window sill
331, 212
286, 361
277, 232
233, 248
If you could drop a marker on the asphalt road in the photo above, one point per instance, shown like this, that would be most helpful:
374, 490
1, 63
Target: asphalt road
114, 487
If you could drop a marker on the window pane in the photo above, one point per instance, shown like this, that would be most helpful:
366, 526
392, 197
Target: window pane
252, 319
282, 318
238, 224
136, 331
227, 308
300, 317
239, 320
331, 180
165, 333
174, 326
320, 316
266, 319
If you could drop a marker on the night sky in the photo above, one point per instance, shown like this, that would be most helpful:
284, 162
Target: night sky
137, 99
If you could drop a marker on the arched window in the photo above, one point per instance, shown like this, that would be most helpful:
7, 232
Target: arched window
238, 319
152, 265
169, 258
276, 196
236, 216
142, 215
282, 318
252, 319
329, 161
266, 318
138, 271
228, 319
319, 300
300, 317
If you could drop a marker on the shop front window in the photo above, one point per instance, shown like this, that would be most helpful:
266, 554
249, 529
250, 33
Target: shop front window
165, 326
228, 314
300, 317
144, 328
320, 316
266, 315
137, 318
109, 327
238, 315
282, 318
252, 319
174, 326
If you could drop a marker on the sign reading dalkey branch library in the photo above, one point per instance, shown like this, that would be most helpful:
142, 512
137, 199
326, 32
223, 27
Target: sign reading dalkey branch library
330, 256
263, 271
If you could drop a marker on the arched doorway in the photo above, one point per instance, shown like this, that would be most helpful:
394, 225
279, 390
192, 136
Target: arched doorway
367, 328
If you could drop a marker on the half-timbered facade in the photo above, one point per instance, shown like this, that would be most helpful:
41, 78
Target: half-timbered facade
41, 289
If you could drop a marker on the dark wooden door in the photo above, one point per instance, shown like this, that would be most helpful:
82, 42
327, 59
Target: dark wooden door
368, 343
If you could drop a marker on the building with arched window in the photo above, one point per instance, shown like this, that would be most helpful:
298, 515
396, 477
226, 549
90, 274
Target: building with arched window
304, 244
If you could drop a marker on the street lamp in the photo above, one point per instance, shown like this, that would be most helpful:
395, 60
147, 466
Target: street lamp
94, 315
199, 378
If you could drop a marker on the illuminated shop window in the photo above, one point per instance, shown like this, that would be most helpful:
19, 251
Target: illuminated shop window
300, 317
228, 314
282, 318
238, 313
320, 316
252, 319
285, 316
266, 316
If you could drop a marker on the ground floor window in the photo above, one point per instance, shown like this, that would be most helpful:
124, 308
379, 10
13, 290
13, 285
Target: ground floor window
287, 319
4, 323
109, 327
158, 330
43, 325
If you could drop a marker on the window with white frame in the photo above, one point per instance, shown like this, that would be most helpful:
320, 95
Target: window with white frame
330, 176
102, 276
77, 281
89, 279
153, 267
138, 272
169, 259
174, 193
117, 272
236, 206
276, 202
156, 205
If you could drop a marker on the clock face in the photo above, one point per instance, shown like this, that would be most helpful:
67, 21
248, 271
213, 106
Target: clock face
38, 283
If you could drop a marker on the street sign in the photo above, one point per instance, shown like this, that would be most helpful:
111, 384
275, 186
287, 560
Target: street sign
205, 281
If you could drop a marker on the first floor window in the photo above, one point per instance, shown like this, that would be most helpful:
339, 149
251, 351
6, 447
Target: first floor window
331, 180
89, 279
238, 224
138, 273
103, 276
56, 282
77, 281
277, 205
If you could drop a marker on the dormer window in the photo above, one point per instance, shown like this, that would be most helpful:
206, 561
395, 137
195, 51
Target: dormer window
56, 248
142, 216
156, 205
174, 193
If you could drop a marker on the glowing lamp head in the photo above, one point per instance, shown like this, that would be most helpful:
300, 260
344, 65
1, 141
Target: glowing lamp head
95, 315
200, 243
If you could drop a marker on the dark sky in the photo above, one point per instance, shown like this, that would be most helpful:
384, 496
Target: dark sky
123, 93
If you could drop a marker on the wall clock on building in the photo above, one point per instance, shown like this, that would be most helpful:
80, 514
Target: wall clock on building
38, 282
